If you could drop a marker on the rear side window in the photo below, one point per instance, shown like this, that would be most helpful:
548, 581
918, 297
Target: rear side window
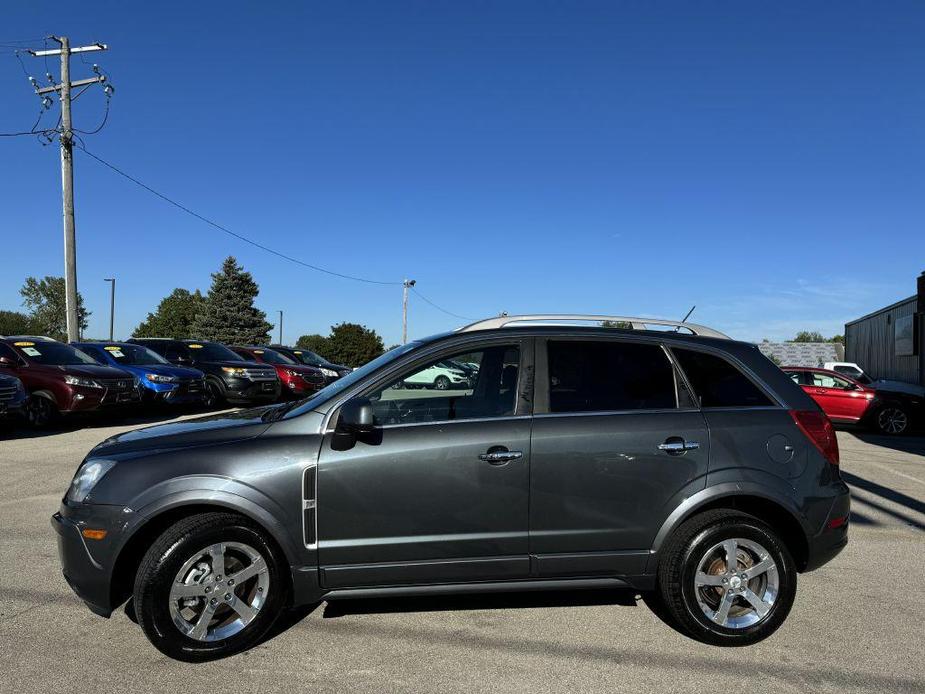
603, 376
717, 382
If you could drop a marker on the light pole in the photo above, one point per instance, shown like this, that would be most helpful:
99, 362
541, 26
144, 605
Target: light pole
112, 305
406, 284
281, 327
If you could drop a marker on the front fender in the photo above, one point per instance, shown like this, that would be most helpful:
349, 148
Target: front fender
209, 490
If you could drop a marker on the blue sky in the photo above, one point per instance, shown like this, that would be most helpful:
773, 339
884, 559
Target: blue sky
764, 161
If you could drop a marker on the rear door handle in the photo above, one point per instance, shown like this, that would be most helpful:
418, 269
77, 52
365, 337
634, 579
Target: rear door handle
675, 445
498, 455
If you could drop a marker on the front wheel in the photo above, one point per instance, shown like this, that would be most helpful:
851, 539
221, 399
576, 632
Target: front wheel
727, 579
442, 383
210, 586
892, 419
213, 395
41, 411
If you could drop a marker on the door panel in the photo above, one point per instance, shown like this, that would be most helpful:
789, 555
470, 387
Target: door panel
422, 494
600, 483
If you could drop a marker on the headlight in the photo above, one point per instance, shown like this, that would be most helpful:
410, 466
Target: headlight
235, 371
290, 372
331, 373
85, 382
158, 378
89, 473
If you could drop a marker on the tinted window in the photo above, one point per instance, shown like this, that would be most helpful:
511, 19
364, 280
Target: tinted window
273, 357
133, 355
440, 391
717, 382
603, 376
52, 353
212, 351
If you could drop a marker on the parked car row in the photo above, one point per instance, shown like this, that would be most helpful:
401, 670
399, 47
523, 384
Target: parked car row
42, 379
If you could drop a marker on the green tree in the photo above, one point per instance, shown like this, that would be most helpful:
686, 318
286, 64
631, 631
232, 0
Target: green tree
228, 314
837, 338
174, 316
808, 336
316, 343
45, 302
353, 344
16, 323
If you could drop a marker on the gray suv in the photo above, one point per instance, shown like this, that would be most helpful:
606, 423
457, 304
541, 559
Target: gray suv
657, 456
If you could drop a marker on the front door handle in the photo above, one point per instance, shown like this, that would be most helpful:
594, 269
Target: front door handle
499, 455
675, 445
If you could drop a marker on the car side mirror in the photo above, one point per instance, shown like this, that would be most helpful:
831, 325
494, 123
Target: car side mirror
356, 416
7, 362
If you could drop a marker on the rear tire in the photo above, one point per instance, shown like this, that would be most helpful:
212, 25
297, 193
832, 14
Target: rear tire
210, 586
892, 419
720, 603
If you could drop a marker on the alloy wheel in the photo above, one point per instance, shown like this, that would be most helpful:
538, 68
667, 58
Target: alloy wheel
736, 583
40, 411
892, 420
219, 591
442, 383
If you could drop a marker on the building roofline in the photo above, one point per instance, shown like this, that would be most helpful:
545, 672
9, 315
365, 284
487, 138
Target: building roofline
899, 303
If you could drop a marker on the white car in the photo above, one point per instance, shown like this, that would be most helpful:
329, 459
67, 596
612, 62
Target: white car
849, 368
439, 377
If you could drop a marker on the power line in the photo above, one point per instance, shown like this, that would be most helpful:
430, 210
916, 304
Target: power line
226, 229
440, 308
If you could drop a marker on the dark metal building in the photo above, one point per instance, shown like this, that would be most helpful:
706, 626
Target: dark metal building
889, 343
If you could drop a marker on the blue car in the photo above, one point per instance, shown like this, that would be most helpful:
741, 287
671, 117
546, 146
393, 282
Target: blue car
160, 381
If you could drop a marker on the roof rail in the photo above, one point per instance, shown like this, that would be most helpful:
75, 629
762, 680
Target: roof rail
634, 322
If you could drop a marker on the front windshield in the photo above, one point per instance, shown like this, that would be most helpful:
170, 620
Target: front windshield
347, 381
134, 355
308, 357
212, 351
273, 357
53, 353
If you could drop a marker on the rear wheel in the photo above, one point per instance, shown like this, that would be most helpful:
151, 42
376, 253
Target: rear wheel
210, 586
892, 419
727, 579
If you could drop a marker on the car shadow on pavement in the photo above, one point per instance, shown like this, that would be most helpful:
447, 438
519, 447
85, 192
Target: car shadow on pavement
905, 444
888, 494
484, 601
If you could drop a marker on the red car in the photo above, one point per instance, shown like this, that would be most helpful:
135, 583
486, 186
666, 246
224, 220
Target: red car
298, 380
61, 379
843, 399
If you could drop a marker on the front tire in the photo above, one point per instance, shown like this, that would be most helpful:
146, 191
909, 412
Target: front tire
727, 579
210, 586
41, 411
213, 396
442, 383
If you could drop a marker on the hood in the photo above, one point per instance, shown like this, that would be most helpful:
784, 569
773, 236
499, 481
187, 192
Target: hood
887, 386
92, 371
166, 370
209, 430
236, 364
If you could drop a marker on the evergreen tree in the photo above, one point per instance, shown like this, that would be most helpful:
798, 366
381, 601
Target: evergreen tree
174, 316
228, 313
45, 301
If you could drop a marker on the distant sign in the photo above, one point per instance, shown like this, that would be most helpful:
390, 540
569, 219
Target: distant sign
904, 336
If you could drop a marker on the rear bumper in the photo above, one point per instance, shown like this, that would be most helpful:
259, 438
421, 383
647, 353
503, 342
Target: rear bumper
87, 564
833, 537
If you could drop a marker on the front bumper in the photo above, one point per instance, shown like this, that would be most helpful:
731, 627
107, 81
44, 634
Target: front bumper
247, 391
183, 393
87, 565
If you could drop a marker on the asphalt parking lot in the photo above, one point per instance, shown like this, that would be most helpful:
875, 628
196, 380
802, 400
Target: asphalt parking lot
857, 624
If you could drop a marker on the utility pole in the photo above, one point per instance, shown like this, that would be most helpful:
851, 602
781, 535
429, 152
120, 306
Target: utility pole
281, 327
67, 169
112, 305
406, 284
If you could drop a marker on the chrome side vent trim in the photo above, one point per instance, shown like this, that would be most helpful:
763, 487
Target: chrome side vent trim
309, 516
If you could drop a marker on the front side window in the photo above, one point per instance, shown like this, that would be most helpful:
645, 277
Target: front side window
604, 376
824, 380
444, 390
717, 383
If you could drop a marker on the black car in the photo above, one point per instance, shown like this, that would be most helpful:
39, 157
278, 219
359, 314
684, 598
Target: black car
229, 377
13, 397
305, 356
685, 465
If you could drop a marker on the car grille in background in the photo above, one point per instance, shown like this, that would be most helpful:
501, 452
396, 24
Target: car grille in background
119, 385
7, 393
313, 377
261, 374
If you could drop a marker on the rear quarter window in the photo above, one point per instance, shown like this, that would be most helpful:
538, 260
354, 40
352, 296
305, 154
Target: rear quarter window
717, 383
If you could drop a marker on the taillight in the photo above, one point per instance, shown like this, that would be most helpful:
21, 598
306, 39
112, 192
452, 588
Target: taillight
819, 431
